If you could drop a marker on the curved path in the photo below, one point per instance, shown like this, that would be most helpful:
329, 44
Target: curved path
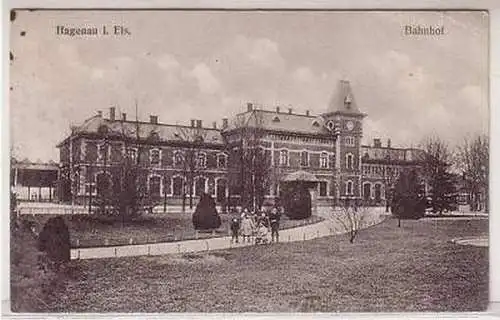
324, 228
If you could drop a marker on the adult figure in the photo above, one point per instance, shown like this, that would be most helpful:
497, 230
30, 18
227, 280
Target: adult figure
247, 227
274, 219
235, 229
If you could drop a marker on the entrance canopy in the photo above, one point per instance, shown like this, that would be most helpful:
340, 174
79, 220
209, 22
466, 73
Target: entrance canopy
300, 176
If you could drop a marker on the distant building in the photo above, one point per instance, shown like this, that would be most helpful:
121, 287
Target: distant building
34, 181
326, 145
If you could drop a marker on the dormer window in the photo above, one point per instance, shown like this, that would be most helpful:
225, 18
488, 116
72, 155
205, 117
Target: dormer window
154, 136
315, 123
276, 119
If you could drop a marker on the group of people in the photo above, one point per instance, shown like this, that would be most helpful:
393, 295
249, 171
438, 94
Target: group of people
256, 226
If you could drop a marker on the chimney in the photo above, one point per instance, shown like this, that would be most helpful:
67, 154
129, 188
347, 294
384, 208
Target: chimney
124, 117
99, 113
277, 109
214, 125
224, 123
193, 123
198, 123
377, 143
388, 143
289, 110
307, 113
112, 113
153, 119
249, 106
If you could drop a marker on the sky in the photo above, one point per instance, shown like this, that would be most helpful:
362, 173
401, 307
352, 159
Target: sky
183, 65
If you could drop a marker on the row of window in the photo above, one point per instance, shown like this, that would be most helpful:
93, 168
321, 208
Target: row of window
304, 159
200, 158
380, 170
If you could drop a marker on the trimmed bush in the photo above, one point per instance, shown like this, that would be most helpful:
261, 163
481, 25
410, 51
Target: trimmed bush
54, 240
205, 215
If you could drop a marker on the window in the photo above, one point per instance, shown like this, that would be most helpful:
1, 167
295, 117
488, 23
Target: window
315, 123
178, 158
283, 157
166, 186
201, 161
349, 188
103, 152
349, 161
177, 186
304, 159
154, 156
322, 188
221, 190
199, 186
103, 184
132, 154
276, 119
155, 186
367, 188
378, 192
221, 160
323, 160
349, 141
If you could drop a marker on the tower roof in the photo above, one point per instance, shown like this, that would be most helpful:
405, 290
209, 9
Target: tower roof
343, 101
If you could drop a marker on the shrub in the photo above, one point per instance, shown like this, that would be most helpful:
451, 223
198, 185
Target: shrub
55, 241
205, 215
297, 202
408, 201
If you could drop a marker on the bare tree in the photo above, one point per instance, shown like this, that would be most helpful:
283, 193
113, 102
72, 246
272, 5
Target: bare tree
192, 142
473, 159
251, 165
389, 177
350, 217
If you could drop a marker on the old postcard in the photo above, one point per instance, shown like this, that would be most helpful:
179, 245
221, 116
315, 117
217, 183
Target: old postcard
249, 161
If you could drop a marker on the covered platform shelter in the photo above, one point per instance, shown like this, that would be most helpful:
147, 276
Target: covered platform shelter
299, 193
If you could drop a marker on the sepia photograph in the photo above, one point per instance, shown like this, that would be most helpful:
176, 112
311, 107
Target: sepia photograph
235, 161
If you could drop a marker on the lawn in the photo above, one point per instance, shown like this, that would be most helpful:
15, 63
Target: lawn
390, 269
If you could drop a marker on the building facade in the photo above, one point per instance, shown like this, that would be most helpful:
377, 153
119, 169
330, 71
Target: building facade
178, 161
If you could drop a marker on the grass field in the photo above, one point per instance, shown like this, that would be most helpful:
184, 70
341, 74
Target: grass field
412, 268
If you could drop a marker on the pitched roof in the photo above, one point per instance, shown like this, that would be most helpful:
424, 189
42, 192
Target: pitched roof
280, 121
394, 154
165, 132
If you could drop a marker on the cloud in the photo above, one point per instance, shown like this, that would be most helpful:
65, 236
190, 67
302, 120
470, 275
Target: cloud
207, 82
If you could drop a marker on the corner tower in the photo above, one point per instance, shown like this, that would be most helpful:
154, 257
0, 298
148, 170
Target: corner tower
345, 116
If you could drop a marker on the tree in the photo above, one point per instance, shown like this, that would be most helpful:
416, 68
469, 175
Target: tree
297, 200
351, 217
251, 167
473, 159
390, 177
408, 199
436, 168
192, 141
122, 186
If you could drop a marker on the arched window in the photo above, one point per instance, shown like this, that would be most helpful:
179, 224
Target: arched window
166, 186
378, 192
221, 190
221, 160
201, 160
199, 186
284, 157
178, 158
323, 186
349, 188
154, 156
177, 186
323, 160
367, 189
155, 186
349, 159
304, 159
